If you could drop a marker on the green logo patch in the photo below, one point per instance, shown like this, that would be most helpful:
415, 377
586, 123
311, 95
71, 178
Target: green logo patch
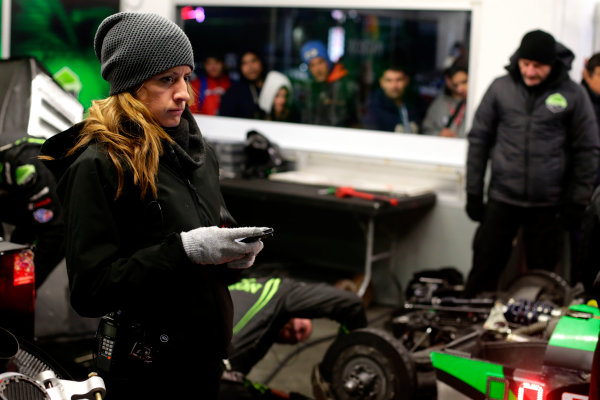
24, 174
556, 103
246, 285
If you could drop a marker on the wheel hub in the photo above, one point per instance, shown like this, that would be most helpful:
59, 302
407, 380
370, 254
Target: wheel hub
363, 379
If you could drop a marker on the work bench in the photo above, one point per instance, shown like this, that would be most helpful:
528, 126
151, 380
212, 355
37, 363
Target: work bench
321, 230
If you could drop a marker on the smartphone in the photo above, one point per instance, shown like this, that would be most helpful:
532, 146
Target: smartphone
250, 239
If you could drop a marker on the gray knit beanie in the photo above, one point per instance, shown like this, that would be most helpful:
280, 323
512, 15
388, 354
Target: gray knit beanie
133, 47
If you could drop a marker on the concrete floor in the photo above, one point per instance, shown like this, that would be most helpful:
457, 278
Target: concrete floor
295, 375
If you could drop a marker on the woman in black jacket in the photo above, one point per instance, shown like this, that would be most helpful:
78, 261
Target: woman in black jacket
142, 204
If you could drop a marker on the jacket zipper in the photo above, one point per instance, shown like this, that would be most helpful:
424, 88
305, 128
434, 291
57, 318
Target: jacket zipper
530, 106
179, 174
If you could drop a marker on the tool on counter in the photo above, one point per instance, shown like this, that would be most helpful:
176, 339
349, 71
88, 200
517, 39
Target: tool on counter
347, 191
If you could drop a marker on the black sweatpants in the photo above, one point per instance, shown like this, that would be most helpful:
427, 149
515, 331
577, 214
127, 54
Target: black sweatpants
492, 244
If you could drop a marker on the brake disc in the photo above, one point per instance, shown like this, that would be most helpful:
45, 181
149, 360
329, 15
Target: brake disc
369, 364
540, 285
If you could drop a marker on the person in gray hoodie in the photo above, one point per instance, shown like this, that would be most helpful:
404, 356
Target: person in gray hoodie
445, 116
538, 129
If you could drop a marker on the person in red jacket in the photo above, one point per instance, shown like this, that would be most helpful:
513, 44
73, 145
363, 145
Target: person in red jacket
210, 86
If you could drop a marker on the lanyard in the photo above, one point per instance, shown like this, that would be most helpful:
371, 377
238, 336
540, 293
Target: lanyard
404, 116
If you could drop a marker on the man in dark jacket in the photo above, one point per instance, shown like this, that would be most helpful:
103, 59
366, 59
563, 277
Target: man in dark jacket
330, 97
386, 106
241, 99
591, 83
538, 129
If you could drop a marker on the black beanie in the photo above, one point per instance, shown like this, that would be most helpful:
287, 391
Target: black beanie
133, 47
538, 46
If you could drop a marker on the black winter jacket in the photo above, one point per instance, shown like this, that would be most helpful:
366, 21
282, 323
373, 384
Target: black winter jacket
383, 114
595, 99
241, 101
542, 141
126, 254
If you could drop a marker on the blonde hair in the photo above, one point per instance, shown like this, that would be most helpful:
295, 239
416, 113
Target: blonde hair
131, 136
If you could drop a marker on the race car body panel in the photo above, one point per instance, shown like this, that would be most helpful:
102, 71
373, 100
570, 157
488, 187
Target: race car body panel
559, 371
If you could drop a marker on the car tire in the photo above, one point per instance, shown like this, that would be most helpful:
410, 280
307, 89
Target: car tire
370, 364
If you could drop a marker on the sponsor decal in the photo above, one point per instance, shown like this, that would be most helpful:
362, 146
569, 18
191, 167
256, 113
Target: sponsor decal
556, 103
43, 215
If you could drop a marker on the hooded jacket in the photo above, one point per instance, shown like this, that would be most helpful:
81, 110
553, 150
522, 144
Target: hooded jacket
263, 305
273, 82
126, 253
542, 140
333, 102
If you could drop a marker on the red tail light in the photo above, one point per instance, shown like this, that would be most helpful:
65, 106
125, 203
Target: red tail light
530, 391
17, 289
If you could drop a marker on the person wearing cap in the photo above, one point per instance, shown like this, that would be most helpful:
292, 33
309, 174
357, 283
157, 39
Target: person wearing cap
330, 97
537, 128
241, 99
144, 213
276, 99
210, 85
386, 107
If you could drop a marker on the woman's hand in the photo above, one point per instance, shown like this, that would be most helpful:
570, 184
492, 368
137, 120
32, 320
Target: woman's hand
214, 245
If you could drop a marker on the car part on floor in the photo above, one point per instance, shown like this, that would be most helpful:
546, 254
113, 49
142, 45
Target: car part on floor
28, 373
46, 386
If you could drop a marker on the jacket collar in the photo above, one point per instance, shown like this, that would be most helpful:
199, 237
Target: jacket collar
188, 146
59, 145
338, 72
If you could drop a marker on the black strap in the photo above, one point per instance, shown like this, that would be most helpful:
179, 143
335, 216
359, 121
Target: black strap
455, 114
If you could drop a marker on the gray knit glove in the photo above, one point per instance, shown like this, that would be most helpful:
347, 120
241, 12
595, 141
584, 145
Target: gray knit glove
247, 261
214, 245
